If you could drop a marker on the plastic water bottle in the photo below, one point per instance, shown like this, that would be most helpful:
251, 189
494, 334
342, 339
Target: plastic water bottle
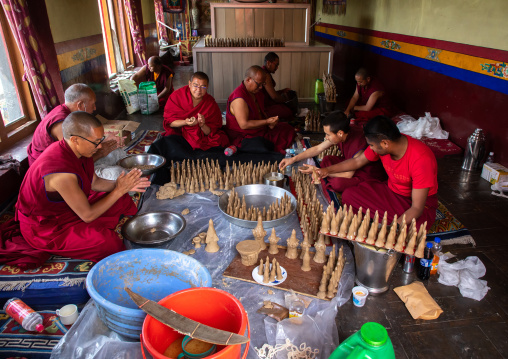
230, 151
29, 319
426, 263
490, 159
288, 167
437, 250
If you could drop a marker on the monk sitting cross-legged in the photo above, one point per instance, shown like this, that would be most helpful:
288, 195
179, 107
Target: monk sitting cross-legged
193, 114
247, 125
60, 210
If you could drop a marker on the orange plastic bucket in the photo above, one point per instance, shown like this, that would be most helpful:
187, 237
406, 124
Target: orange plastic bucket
209, 306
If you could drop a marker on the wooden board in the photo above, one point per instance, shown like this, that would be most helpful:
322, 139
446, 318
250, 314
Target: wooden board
301, 282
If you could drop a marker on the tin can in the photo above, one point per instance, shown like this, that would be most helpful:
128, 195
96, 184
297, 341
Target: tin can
409, 264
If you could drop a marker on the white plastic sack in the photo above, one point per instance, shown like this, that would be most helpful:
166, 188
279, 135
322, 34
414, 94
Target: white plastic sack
129, 93
464, 274
427, 126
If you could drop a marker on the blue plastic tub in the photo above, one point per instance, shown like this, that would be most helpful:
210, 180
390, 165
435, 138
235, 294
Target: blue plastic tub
153, 273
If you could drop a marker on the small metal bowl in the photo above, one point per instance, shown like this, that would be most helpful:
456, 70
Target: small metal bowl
274, 179
153, 228
150, 159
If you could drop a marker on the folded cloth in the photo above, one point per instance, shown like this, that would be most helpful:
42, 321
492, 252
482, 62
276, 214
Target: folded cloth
6, 162
418, 301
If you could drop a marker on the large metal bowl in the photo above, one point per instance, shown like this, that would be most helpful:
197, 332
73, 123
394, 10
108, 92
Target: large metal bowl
257, 195
153, 228
132, 161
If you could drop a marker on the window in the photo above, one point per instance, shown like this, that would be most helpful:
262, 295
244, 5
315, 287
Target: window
17, 114
117, 39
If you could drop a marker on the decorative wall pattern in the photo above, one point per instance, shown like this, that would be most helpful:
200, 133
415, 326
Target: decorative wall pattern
454, 60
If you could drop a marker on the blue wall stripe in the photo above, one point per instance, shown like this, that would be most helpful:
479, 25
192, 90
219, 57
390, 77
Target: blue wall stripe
447, 70
82, 68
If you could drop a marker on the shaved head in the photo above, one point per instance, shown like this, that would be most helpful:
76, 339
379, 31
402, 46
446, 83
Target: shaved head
155, 60
78, 92
79, 123
363, 73
253, 71
200, 75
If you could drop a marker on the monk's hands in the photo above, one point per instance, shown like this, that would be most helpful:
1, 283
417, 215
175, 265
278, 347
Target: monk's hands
313, 170
132, 181
286, 162
272, 122
193, 121
201, 120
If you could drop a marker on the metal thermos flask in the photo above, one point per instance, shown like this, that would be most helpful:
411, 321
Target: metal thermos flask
475, 151
409, 262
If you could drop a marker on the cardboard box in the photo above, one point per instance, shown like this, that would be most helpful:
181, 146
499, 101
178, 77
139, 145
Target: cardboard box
121, 130
494, 172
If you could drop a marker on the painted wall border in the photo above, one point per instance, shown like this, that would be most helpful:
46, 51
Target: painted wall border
465, 66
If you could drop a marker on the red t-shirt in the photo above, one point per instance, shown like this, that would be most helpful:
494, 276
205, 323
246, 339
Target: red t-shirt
416, 169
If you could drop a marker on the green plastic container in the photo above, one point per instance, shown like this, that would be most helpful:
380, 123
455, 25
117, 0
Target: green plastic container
371, 342
319, 89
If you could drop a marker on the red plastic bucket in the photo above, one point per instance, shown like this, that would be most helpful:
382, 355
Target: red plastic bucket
210, 306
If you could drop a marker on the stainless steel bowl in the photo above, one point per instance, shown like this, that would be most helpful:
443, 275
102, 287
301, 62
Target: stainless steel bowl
131, 161
274, 179
153, 228
257, 195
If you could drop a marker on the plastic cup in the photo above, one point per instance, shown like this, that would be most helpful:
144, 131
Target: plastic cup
360, 296
68, 314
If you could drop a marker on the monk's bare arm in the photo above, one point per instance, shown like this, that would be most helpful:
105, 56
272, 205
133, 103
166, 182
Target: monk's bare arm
167, 88
352, 102
418, 198
271, 90
351, 164
311, 152
139, 76
240, 110
56, 130
66, 184
371, 102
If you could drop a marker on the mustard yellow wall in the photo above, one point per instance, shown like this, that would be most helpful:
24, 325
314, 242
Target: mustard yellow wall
148, 8
473, 22
73, 19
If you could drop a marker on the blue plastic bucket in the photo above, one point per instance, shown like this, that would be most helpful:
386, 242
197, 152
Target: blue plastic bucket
152, 273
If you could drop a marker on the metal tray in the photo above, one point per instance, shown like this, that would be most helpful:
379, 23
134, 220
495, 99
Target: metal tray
257, 195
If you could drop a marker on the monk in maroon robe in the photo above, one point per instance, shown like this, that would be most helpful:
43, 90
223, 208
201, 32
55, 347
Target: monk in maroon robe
78, 97
275, 99
192, 113
60, 210
247, 125
351, 143
369, 100
156, 72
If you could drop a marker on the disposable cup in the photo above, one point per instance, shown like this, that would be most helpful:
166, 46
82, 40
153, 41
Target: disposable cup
360, 296
68, 314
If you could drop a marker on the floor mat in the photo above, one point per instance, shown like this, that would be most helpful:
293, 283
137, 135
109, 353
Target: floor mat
146, 138
447, 226
16, 342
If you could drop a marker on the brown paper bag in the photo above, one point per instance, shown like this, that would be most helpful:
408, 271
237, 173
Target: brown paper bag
418, 301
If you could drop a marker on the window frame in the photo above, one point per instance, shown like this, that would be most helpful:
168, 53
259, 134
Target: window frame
124, 37
26, 125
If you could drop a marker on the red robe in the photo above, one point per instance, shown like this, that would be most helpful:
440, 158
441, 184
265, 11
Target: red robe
273, 108
282, 135
180, 107
355, 142
42, 136
160, 83
381, 107
49, 226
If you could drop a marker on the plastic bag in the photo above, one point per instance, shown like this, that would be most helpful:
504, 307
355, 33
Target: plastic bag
147, 95
464, 274
129, 93
427, 126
